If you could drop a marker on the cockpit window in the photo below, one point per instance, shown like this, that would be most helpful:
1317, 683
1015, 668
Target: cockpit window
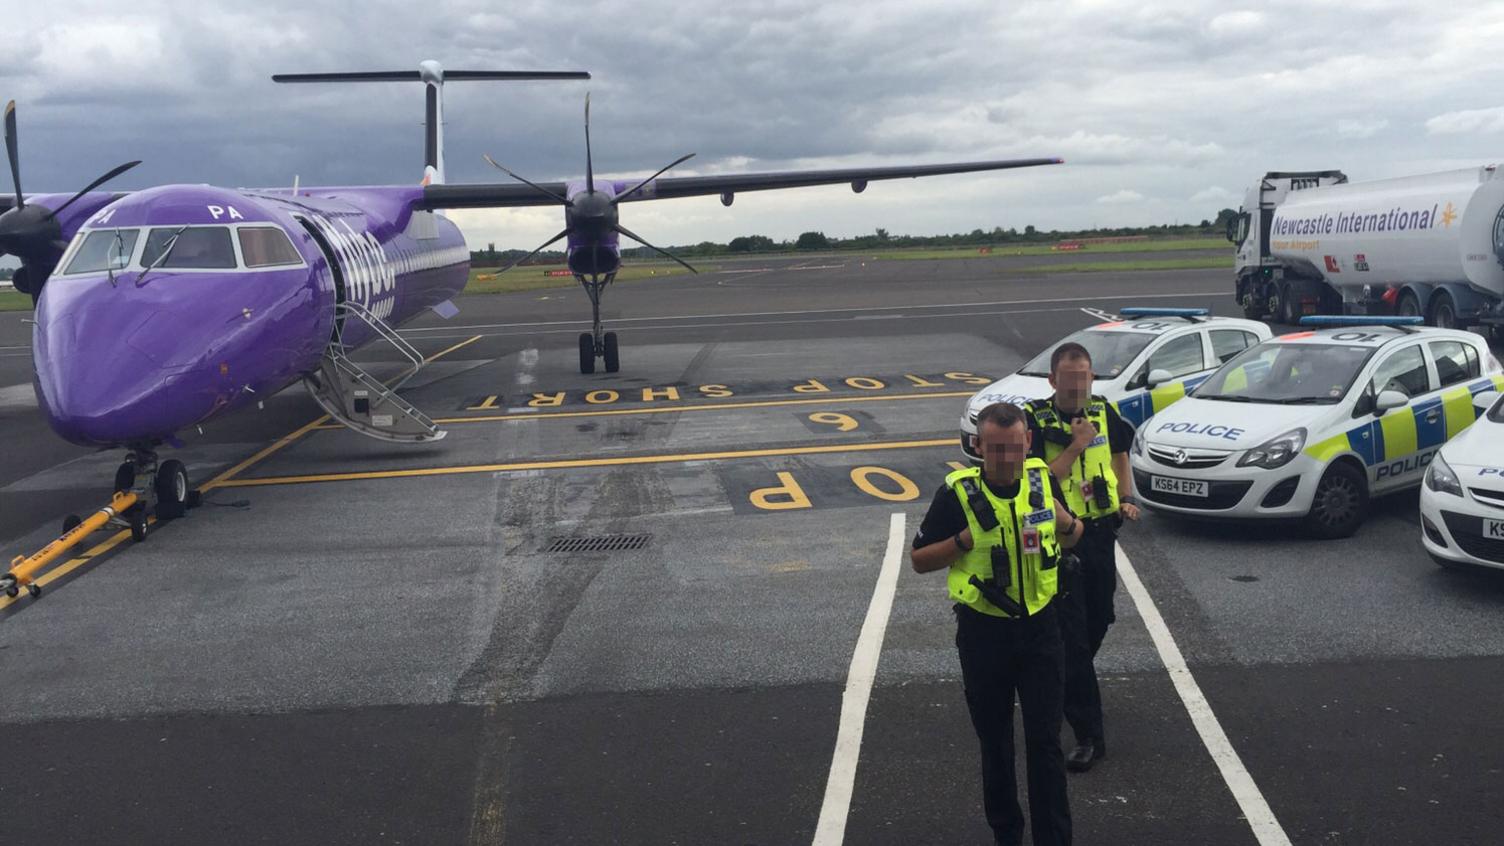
196, 247
103, 249
266, 246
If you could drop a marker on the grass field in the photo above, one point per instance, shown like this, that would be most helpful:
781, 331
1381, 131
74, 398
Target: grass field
14, 301
533, 278
1197, 263
1175, 245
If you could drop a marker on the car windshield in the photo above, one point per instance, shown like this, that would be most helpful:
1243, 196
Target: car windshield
1111, 352
1293, 374
201, 247
103, 249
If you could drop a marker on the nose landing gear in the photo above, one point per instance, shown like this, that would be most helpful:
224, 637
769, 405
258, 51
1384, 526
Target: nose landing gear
161, 490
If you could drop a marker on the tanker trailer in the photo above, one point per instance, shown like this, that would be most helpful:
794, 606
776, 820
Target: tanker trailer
1429, 245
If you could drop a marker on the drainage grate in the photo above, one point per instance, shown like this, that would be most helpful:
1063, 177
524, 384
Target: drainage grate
599, 543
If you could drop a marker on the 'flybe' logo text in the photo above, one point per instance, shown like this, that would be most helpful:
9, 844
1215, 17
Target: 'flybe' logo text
1211, 431
1397, 219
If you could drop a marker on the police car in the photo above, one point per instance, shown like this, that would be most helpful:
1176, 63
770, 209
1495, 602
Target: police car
1142, 363
1313, 423
1462, 501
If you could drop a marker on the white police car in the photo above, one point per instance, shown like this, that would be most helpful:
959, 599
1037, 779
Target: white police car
1142, 363
1462, 501
1313, 423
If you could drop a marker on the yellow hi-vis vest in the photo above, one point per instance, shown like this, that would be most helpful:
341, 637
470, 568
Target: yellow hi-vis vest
1030, 576
1093, 464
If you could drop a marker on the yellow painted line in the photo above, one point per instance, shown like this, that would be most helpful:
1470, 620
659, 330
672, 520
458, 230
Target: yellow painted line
676, 409
438, 355
576, 463
284, 441
72, 564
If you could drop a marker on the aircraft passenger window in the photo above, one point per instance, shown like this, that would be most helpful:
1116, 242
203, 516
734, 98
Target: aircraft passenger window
1405, 371
1455, 362
1180, 357
266, 246
103, 248
1227, 343
198, 247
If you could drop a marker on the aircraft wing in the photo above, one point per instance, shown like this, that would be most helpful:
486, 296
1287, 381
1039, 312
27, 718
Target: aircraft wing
505, 195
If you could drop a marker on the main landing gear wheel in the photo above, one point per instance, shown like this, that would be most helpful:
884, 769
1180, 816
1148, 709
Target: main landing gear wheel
613, 362
171, 489
595, 343
587, 353
1339, 505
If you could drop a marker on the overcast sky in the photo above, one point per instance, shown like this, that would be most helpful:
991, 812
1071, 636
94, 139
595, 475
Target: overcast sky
1163, 111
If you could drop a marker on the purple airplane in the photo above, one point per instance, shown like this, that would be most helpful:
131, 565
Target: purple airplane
161, 309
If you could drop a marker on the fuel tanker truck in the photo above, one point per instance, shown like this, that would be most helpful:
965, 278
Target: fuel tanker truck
1431, 245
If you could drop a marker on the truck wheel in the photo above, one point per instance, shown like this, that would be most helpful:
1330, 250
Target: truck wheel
1340, 504
1443, 312
1288, 310
1408, 305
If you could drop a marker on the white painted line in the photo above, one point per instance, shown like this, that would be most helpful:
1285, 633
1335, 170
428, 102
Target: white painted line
1266, 829
831, 830
1093, 298
1099, 313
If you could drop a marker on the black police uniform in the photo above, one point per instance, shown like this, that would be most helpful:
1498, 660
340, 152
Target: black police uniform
1086, 607
998, 657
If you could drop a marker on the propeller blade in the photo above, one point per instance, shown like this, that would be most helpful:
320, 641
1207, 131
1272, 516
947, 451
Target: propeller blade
545, 246
92, 185
624, 231
633, 190
10, 150
540, 188
589, 166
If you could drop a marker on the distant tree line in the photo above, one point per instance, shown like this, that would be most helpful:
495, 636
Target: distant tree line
882, 240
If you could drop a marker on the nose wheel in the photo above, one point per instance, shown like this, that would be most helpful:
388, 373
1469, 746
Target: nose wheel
597, 343
162, 491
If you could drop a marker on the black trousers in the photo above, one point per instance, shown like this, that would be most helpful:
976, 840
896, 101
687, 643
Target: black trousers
998, 657
1085, 614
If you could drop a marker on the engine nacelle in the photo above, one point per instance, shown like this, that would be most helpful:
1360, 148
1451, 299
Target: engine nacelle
859, 185
727, 197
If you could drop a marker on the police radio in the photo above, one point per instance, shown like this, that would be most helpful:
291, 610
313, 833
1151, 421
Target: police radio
981, 506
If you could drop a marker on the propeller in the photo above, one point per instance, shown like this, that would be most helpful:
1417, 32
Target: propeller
31, 232
590, 216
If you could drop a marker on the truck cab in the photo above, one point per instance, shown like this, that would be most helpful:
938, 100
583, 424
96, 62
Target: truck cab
1268, 288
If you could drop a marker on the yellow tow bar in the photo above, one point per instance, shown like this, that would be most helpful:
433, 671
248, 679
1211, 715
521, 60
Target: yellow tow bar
23, 569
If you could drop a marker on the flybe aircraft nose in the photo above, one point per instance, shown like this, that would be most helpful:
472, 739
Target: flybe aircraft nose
94, 384
122, 364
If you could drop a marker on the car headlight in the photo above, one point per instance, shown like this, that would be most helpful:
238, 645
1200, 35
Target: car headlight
1276, 452
1138, 443
1440, 478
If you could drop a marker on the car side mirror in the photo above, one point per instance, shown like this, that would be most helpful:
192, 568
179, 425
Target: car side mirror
1388, 400
1484, 401
1158, 377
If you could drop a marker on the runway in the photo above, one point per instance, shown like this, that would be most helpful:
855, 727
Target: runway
354, 642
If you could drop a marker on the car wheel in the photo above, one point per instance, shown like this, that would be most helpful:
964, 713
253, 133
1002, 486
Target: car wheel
1340, 504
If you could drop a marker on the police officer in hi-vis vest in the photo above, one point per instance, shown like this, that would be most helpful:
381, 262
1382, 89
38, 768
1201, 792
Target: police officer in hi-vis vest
1085, 442
1000, 529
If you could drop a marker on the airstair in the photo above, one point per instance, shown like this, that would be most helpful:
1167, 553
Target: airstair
359, 400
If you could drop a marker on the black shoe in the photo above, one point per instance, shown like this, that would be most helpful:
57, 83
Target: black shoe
1084, 755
